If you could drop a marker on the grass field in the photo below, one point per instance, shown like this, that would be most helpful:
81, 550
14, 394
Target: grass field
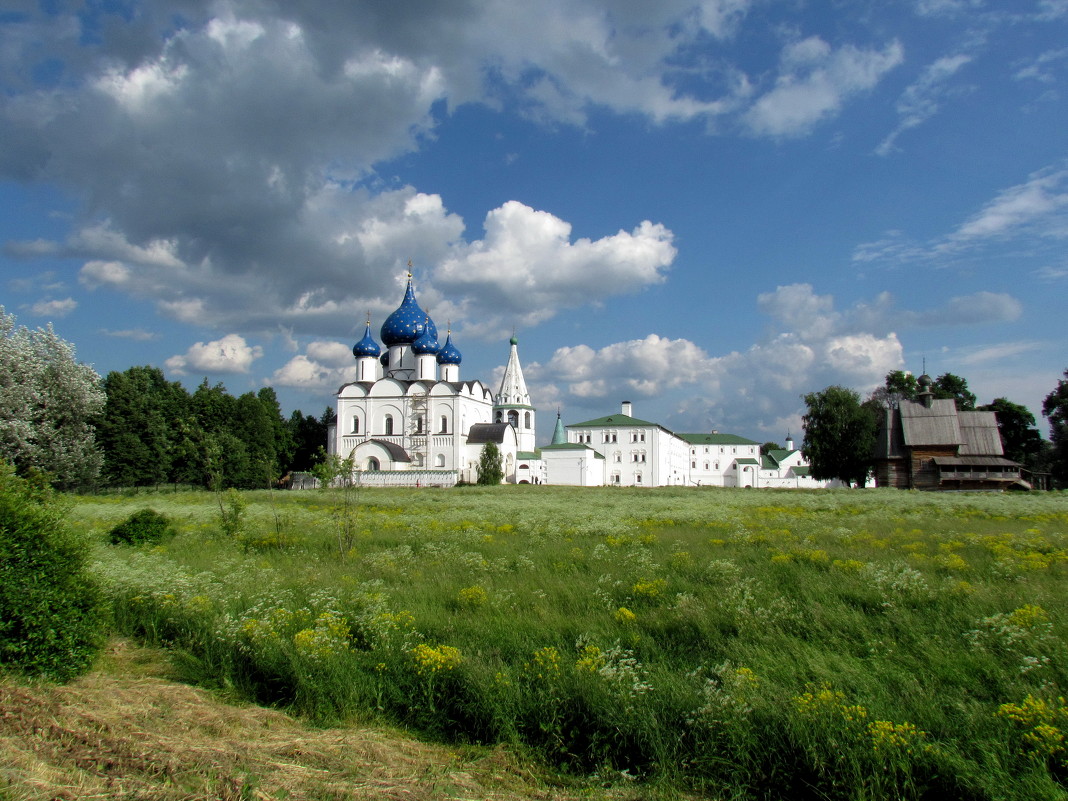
744, 644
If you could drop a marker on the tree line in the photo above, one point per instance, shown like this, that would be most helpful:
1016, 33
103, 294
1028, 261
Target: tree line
153, 431
135, 428
840, 428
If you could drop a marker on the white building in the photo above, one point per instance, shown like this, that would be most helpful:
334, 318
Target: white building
639, 453
409, 420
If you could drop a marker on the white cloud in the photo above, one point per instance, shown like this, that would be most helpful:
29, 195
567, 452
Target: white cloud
920, 101
1034, 210
135, 334
54, 308
813, 83
230, 354
997, 353
1037, 206
526, 267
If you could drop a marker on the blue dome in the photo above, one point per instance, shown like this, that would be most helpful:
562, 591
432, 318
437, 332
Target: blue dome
427, 343
449, 353
408, 322
384, 359
366, 346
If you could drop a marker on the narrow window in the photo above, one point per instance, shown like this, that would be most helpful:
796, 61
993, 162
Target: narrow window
355, 425
513, 418
526, 420
444, 424
389, 429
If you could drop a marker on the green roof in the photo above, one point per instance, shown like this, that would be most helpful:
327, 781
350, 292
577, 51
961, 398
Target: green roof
615, 421
747, 461
528, 455
716, 439
802, 470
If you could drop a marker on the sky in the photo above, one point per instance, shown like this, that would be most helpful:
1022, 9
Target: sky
708, 208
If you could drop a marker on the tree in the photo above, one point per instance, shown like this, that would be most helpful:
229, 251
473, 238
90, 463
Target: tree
140, 430
948, 386
309, 437
897, 387
490, 469
768, 447
49, 403
1016, 424
839, 435
1055, 408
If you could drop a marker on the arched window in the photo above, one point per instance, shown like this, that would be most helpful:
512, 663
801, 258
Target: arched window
389, 426
444, 424
355, 424
439, 460
419, 424
513, 418
526, 420
500, 416
373, 464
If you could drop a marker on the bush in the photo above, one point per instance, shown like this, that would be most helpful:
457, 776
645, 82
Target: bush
51, 611
146, 525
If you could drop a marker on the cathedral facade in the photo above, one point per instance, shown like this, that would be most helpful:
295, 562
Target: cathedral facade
410, 420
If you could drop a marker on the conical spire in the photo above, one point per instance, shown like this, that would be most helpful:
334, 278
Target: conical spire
513, 391
559, 435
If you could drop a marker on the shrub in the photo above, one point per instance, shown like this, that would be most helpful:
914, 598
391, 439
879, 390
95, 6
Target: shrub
146, 525
51, 611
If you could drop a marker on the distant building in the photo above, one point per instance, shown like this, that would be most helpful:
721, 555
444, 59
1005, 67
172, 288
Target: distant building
929, 445
639, 453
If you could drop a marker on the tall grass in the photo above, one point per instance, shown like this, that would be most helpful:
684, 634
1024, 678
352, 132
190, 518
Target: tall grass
843, 644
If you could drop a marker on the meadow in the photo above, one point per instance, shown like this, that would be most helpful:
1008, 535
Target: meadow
735, 643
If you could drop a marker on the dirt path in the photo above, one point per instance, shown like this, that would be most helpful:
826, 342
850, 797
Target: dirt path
126, 731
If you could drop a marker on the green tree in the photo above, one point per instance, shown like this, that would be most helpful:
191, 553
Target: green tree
308, 436
140, 429
52, 614
490, 467
839, 435
49, 404
897, 387
768, 447
1055, 409
1016, 424
948, 386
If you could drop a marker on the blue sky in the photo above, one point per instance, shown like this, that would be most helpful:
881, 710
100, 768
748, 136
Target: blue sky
706, 208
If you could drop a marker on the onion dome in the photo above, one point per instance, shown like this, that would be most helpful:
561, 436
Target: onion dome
924, 381
449, 354
427, 343
405, 325
384, 359
366, 346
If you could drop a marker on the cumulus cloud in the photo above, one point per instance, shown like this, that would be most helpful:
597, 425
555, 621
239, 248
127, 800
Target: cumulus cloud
813, 83
54, 308
228, 153
811, 343
230, 354
526, 266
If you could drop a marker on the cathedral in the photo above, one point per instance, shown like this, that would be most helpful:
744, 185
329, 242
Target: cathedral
410, 420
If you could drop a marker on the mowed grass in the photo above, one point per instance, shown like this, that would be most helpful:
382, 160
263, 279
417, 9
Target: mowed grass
831, 644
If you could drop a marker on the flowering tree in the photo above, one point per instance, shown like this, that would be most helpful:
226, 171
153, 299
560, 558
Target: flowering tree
48, 404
